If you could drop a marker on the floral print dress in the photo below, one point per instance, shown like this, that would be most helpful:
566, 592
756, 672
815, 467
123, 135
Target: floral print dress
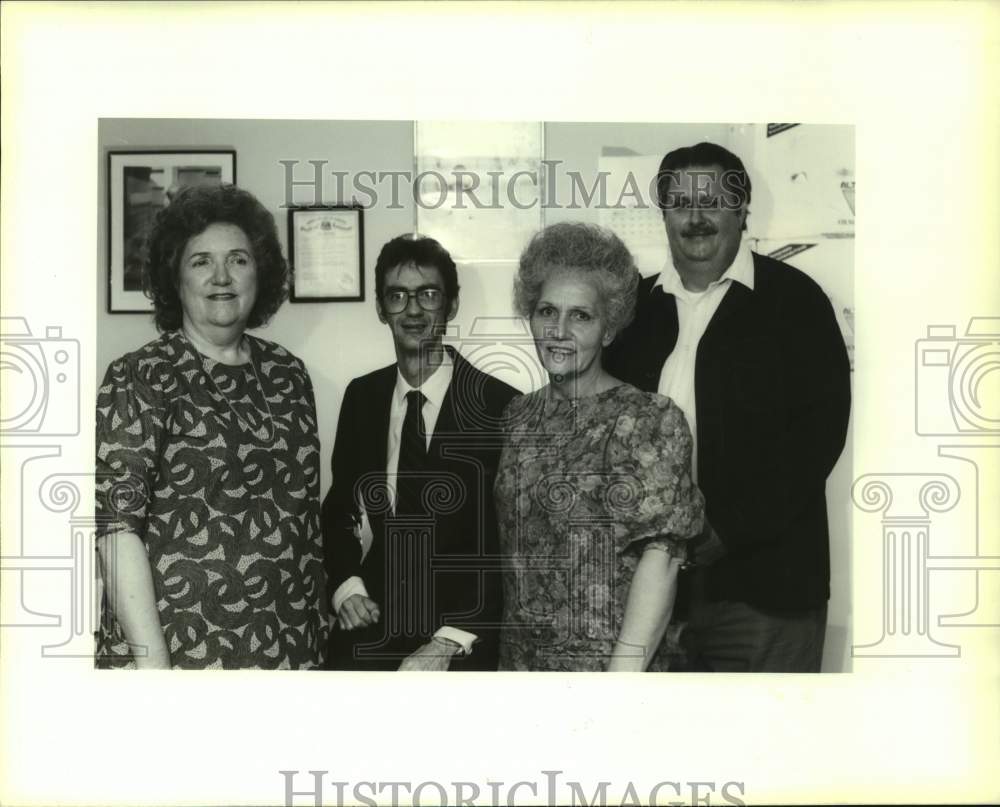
583, 488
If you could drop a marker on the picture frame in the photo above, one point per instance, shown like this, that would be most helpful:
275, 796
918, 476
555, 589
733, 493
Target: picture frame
139, 184
326, 253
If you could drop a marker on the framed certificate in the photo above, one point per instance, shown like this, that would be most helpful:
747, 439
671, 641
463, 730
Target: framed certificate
326, 252
140, 184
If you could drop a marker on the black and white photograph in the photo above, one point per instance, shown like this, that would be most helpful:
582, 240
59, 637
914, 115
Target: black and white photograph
608, 516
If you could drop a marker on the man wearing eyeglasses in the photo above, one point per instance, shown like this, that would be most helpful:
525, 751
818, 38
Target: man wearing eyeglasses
408, 524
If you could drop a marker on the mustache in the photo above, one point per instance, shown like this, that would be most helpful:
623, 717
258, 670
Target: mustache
698, 229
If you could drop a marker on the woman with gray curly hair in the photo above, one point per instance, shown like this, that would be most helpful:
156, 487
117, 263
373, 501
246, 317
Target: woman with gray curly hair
593, 494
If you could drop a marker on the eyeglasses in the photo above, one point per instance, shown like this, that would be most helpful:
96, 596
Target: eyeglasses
396, 300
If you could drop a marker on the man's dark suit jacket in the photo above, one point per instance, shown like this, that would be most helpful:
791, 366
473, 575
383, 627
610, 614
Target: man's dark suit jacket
772, 393
443, 570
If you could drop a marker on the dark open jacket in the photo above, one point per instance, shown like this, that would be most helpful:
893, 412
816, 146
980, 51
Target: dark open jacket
772, 392
424, 574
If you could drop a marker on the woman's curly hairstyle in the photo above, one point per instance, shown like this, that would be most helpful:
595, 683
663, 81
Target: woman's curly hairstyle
190, 213
589, 250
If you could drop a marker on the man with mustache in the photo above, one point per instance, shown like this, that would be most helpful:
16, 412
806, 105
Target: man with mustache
750, 349
409, 529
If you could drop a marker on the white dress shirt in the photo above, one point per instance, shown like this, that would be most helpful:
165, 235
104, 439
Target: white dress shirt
695, 310
434, 390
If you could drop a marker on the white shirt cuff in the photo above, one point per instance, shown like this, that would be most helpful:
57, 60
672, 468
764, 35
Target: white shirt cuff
351, 586
459, 637
355, 585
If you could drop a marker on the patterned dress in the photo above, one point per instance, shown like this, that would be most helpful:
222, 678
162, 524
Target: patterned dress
216, 468
582, 489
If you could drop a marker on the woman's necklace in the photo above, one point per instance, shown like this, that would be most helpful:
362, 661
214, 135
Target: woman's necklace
576, 394
257, 431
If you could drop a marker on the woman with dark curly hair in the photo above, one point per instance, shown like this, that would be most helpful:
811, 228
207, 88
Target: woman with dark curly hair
208, 458
593, 492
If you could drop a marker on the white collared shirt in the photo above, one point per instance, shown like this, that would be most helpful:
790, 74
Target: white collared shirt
695, 310
434, 389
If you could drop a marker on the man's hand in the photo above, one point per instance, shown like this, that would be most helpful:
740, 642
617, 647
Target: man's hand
707, 548
357, 611
435, 656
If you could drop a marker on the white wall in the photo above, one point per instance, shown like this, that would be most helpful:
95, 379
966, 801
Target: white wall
339, 341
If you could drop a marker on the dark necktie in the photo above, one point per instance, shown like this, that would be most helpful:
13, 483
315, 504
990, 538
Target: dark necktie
412, 457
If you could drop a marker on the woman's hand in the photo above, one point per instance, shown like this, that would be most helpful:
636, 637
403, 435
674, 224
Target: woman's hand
647, 611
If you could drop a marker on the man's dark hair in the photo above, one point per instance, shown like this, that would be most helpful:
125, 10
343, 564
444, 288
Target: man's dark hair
734, 180
419, 250
189, 214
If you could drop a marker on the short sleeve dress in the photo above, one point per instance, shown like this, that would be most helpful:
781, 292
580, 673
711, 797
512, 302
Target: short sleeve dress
583, 488
216, 468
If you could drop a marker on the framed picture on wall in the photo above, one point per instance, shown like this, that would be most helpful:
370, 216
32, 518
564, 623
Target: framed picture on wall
326, 252
140, 183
